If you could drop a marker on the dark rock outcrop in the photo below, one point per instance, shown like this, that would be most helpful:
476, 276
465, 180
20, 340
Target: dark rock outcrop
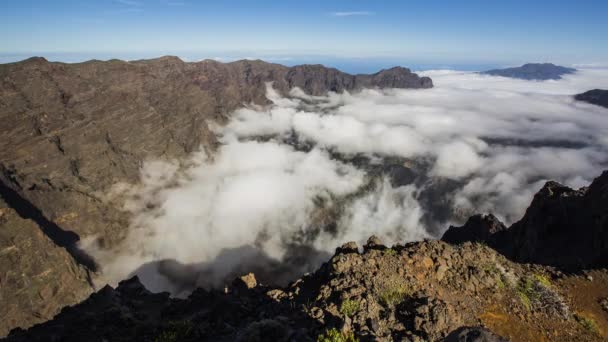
562, 227
478, 228
533, 71
597, 97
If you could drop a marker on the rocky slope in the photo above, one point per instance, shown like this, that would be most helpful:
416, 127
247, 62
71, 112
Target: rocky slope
425, 291
38, 277
533, 71
422, 291
597, 97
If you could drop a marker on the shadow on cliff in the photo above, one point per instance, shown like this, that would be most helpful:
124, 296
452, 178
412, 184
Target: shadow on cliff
63, 238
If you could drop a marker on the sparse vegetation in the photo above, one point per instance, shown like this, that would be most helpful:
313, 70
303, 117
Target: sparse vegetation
542, 279
587, 322
537, 293
334, 335
527, 293
393, 295
175, 331
349, 307
500, 282
390, 252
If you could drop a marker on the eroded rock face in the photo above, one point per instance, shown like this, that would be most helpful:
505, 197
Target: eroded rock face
37, 278
562, 227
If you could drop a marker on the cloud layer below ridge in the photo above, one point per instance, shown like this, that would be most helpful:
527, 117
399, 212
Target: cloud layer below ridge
293, 180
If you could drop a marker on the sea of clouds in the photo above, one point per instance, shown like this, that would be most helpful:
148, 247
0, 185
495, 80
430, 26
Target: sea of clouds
283, 190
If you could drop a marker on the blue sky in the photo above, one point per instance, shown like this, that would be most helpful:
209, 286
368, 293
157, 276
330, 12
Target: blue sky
421, 32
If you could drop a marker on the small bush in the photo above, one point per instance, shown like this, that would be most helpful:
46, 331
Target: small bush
537, 293
334, 335
349, 307
390, 252
393, 295
587, 322
500, 283
175, 331
527, 293
542, 279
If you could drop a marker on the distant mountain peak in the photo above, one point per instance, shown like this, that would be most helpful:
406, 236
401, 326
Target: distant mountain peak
533, 71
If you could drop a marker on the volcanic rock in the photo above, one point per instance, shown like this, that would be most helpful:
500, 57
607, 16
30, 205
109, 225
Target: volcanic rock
563, 227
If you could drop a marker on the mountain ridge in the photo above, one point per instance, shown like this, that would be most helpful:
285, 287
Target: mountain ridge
533, 71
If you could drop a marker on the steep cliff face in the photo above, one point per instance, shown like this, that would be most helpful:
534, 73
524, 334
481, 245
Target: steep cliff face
37, 277
563, 227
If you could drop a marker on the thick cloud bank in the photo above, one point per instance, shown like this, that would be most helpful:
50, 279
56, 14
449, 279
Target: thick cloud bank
293, 180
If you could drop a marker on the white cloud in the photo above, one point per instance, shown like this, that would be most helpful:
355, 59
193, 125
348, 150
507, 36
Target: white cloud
282, 183
352, 13
130, 2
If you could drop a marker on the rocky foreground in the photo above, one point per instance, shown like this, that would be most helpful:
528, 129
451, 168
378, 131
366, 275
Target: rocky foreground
422, 291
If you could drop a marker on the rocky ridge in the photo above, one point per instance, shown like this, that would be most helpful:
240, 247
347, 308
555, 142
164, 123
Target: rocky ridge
563, 227
421, 291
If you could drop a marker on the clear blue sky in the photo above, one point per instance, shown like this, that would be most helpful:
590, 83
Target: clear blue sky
422, 31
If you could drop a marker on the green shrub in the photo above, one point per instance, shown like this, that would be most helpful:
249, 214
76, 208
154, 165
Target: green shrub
527, 292
393, 295
334, 335
537, 293
542, 279
390, 252
175, 331
500, 283
588, 323
349, 307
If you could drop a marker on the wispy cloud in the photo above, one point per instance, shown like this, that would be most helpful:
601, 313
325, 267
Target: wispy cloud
174, 3
351, 13
130, 2
127, 6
